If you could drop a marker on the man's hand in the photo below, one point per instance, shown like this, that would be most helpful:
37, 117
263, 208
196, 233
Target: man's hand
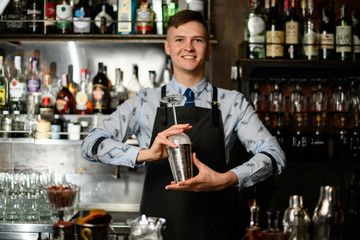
207, 180
158, 148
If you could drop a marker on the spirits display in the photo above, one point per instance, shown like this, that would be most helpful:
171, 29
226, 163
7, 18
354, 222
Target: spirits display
104, 18
310, 38
275, 34
64, 15
256, 31
16, 18
50, 16
65, 102
327, 36
292, 33
82, 17
34, 15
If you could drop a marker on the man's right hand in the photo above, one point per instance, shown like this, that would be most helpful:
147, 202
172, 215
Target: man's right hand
158, 148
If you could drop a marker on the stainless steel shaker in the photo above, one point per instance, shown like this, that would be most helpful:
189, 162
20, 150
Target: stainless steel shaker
180, 159
295, 206
328, 216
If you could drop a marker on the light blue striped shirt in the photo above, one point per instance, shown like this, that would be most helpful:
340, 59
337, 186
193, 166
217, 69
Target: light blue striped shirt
136, 117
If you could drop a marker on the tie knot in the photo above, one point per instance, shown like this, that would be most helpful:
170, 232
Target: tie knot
189, 94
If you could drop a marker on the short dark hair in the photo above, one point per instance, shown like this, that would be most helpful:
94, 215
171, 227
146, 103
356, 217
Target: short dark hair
186, 16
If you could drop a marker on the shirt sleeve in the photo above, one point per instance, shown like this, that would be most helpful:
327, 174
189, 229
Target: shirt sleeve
268, 157
116, 129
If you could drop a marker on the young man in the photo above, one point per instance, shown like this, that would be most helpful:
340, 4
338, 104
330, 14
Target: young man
197, 208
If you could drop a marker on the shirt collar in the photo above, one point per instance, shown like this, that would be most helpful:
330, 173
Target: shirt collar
197, 89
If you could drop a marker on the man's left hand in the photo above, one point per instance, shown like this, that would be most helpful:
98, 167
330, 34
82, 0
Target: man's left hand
206, 181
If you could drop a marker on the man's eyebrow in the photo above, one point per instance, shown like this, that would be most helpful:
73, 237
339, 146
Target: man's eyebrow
196, 36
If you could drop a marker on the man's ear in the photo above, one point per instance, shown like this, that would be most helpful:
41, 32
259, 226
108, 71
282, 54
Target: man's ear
209, 50
167, 48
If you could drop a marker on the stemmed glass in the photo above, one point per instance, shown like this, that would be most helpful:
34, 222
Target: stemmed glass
179, 158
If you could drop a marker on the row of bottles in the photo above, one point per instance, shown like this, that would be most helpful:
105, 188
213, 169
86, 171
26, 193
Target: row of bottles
327, 221
312, 120
299, 33
87, 16
37, 93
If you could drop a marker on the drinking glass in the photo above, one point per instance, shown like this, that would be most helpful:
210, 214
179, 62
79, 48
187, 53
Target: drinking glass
277, 101
298, 100
3, 190
14, 197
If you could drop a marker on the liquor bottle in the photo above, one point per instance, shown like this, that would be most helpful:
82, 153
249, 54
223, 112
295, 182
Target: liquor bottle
319, 143
82, 17
83, 101
4, 86
100, 91
18, 87
50, 16
48, 97
299, 140
256, 31
64, 15
354, 140
275, 33
126, 16
327, 36
253, 231
343, 36
169, 8
310, 37
33, 81
145, 17
16, 18
65, 102
118, 92
356, 33
104, 18
292, 33
134, 85
17, 124
6, 123
34, 15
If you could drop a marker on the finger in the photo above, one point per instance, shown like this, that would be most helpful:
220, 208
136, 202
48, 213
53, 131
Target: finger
196, 161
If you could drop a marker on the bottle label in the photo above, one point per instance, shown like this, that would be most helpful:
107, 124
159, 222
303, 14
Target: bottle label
63, 15
17, 90
310, 44
356, 40
62, 105
107, 17
292, 32
343, 38
2, 95
50, 13
46, 101
81, 100
327, 41
55, 128
82, 25
124, 16
33, 85
256, 25
100, 100
275, 43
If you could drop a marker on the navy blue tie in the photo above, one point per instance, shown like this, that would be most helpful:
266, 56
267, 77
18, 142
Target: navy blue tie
189, 94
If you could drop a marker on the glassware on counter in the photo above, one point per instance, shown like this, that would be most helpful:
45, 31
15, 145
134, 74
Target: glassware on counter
296, 207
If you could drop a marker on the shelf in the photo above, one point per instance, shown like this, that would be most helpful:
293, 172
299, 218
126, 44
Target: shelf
53, 141
325, 164
131, 38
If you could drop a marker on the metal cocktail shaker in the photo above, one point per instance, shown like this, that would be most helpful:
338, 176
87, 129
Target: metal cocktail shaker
328, 216
180, 159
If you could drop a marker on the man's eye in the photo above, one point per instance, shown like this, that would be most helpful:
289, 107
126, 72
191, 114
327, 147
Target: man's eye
198, 40
178, 40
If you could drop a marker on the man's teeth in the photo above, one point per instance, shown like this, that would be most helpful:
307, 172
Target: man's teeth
188, 57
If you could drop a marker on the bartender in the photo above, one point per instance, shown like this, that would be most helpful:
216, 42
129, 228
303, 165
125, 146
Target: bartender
212, 117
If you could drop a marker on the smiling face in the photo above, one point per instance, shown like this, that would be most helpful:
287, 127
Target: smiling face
188, 46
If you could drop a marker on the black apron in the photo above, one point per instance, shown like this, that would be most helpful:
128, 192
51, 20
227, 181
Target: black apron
189, 215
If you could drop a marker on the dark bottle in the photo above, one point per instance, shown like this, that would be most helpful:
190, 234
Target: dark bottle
327, 35
339, 139
310, 38
319, 143
299, 140
34, 15
275, 34
65, 101
100, 92
356, 34
354, 140
82, 17
50, 16
256, 31
14, 13
104, 18
253, 231
343, 36
64, 15
292, 33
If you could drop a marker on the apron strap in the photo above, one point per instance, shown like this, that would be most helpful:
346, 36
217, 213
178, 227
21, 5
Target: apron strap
214, 107
163, 108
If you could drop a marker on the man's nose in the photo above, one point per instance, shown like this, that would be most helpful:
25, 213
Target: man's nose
189, 46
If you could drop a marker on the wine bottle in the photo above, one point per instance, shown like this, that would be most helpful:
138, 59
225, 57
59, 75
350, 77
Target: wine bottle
310, 38
327, 36
65, 101
356, 34
343, 36
256, 31
100, 91
82, 17
292, 33
14, 13
275, 33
